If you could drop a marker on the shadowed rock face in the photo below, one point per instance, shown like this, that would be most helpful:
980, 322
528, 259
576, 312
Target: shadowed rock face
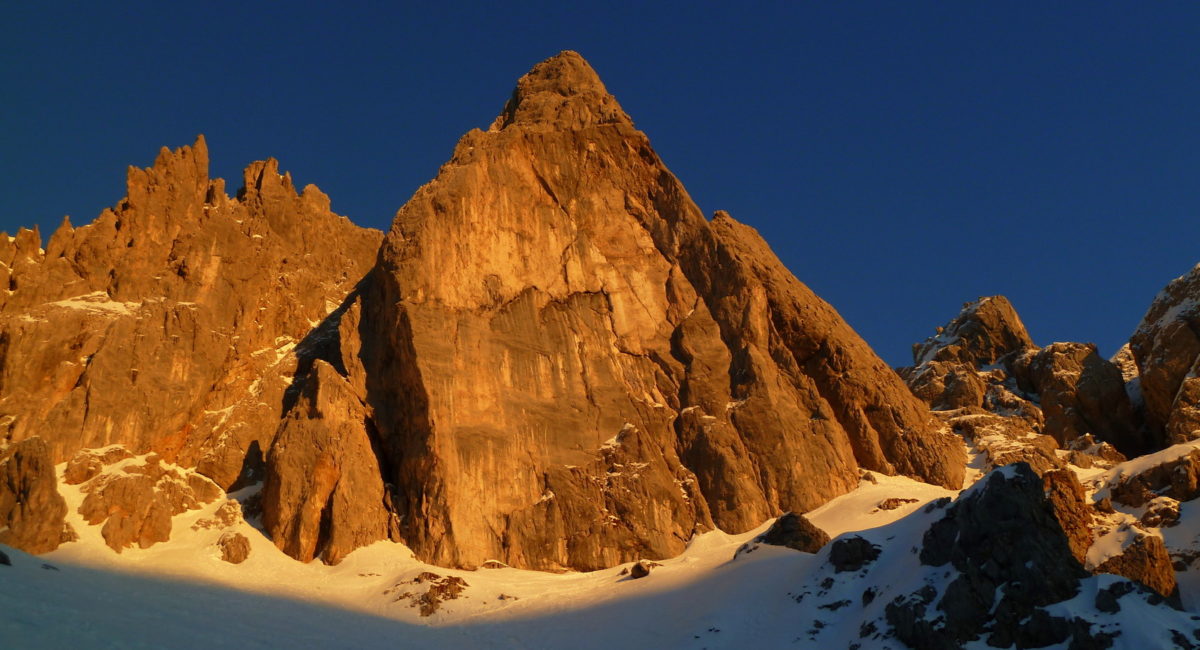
1081, 392
553, 309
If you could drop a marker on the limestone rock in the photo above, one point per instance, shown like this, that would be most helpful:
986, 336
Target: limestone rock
166, 324
225, 516
32, 512
1007, 440
795, 531
554, 309
1146, 561
1161, 512
427, 591
554, 361
136, 501
640, 569
1081, 392
1085, 452
1011, 555
983, 332
1068, 502
88, 463
852, 553
946, 385
1178, 478
235, 548
324, 494
1166, 347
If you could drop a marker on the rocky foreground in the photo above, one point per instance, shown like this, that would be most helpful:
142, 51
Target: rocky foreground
553, 361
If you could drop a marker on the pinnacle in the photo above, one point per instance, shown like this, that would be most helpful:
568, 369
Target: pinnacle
566, 73
562, 92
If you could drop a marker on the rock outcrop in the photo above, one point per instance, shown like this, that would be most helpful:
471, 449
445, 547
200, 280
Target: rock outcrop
1145, 560
553, 361
982, 333
1016, 402
235, 548
324, 494
1166, 347
994, 567
1012, 560
168, 324
134, 500
32, 512
1069, 504
795, 531
554, 309
1080, 392
1177, 476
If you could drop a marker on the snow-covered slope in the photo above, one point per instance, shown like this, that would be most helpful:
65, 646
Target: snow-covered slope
181, 594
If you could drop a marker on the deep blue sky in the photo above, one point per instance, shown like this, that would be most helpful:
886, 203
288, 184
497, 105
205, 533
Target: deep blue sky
900, 157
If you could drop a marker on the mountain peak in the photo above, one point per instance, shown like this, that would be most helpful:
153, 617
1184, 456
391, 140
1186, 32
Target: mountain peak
562, 92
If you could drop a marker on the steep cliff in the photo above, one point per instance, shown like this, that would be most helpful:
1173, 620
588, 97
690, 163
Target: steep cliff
571, 367
170, 323
553, 360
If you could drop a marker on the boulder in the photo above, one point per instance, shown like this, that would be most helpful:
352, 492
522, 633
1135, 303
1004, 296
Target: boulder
136, 502
852, 553
640, 569
235, 548
32, 512
1145, 560
795, 531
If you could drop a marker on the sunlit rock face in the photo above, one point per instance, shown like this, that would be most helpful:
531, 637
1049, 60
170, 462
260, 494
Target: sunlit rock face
552, 360
571, 367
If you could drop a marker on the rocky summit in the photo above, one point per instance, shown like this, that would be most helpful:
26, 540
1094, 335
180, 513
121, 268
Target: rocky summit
554, 361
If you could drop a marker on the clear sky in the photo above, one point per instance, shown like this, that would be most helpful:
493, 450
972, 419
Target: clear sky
900, 157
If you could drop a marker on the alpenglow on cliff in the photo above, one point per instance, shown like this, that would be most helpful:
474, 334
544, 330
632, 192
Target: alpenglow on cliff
552, 359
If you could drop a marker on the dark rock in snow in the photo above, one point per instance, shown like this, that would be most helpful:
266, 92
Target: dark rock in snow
794, 530
1108, 597
852, 554
1005, 542
639, 570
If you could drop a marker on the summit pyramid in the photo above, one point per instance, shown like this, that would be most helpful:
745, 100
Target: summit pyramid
552, 360
565, 365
